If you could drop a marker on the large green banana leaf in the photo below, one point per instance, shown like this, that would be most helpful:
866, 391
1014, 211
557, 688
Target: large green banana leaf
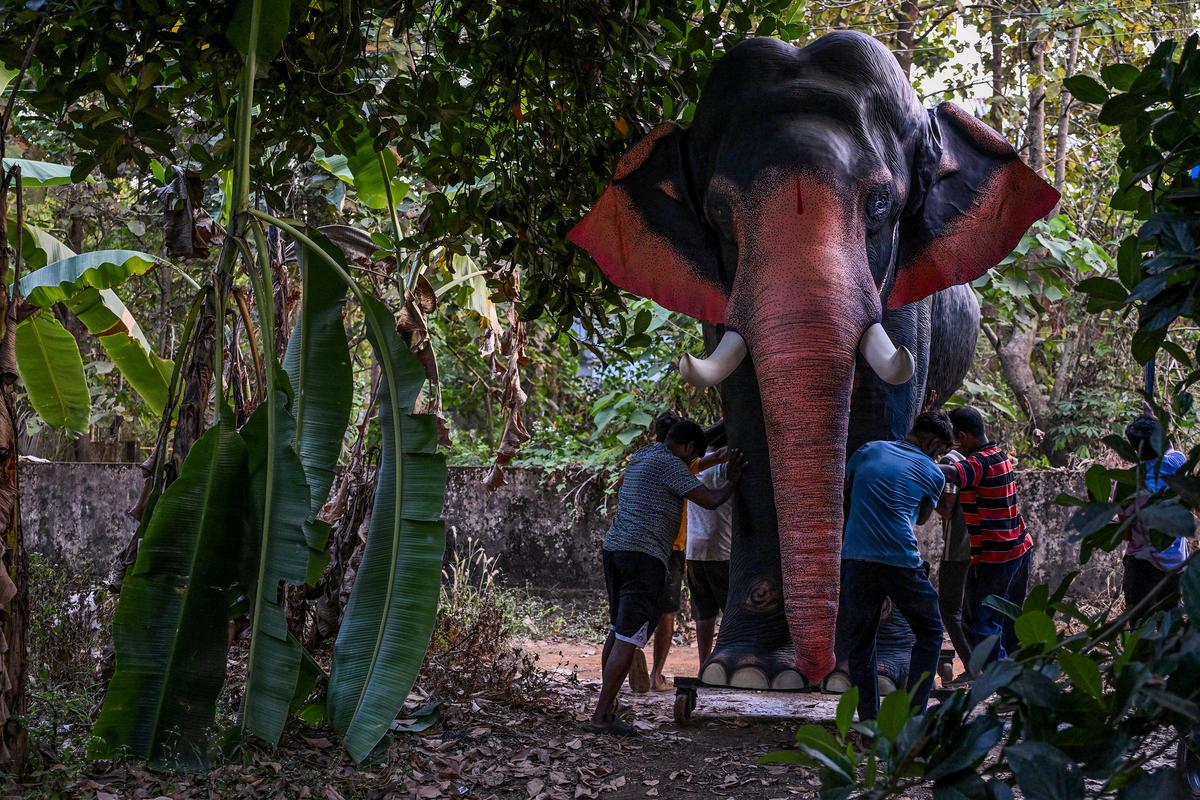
389, 618
38, 248
105, 315
100, 269
52, 371
40, 173
281, 510
362, 169
259, 27
82, 284
318, 363
170, 631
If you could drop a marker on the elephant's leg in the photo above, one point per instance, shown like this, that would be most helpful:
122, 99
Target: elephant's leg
954, 330
754, 648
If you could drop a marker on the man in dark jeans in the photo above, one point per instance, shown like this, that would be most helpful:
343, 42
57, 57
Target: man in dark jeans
890, 488
1000, 545
952, 577
638, 545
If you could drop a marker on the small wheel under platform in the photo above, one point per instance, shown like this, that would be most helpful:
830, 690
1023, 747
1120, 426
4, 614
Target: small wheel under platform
685, 699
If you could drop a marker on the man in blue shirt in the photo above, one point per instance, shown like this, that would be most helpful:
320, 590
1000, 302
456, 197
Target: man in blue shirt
1145, 565
890, 488
638, 546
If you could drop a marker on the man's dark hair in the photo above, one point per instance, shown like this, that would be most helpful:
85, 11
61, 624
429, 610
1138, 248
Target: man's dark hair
936, 424
1140, 435
663, 424
968, 420
687, 432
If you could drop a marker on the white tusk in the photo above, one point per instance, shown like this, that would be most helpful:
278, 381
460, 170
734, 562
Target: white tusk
891, 364
705, 372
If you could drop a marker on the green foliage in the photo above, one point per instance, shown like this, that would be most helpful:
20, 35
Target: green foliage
273, 538
389, 617
1157, 268
84, 283
281, 513
170, 632
36, 174
50, 367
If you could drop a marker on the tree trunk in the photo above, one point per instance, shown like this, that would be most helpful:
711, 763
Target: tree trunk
1064, 122
14, 601
76, 230
1035, 124
996, 116
1015, 352
906, 34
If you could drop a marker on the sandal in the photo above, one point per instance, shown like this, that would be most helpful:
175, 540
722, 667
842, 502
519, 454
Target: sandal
617, 727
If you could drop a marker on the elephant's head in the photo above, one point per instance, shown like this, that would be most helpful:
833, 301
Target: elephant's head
811, 192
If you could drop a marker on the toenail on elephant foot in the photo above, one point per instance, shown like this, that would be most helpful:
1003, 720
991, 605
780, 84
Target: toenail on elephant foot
838, 682
714, 675
749, 678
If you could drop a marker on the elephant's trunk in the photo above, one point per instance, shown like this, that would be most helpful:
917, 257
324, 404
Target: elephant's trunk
803, 302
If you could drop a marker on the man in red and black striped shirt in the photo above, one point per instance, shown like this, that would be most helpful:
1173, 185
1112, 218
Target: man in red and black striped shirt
1000, 545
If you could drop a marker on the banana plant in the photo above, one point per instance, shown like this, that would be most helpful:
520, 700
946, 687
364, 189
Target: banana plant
272, 477
48, 358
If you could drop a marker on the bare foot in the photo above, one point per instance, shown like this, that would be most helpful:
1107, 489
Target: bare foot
660, 684
639, 677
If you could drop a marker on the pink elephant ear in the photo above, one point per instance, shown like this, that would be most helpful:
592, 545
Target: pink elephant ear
975, 201
646, 235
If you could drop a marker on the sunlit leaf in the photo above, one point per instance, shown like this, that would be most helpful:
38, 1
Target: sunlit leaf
40, 173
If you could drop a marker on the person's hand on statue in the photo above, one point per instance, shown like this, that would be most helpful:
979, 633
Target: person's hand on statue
737, 463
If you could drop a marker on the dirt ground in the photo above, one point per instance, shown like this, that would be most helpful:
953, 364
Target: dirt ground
716, 754
497, 748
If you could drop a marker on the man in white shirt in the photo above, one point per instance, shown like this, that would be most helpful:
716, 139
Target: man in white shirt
708, 541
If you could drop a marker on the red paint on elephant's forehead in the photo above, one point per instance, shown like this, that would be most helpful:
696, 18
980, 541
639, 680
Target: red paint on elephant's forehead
812, 263
645, 262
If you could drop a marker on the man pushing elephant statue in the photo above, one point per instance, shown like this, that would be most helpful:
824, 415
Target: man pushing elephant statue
822, 223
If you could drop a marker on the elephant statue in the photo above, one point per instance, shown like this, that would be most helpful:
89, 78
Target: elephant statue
822, 224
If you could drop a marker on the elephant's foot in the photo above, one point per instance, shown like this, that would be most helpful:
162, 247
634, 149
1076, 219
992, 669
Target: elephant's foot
749, 669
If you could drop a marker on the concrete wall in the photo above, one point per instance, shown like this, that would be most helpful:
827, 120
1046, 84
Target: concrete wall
544, 530
76, 514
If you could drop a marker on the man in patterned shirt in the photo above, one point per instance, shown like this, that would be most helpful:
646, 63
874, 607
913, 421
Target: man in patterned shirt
638, 545
1000, 545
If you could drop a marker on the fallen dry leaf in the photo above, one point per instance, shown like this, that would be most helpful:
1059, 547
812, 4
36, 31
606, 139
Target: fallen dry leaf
535, 786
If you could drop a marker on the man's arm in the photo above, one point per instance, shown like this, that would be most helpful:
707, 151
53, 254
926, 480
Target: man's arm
950, 473
712, 459
947, 502
924, 512
714, 498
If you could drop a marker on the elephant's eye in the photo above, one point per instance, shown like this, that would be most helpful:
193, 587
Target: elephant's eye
721, 216
879, 203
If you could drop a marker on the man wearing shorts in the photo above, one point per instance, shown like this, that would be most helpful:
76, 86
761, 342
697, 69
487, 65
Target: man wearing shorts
637, 548
708, 544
